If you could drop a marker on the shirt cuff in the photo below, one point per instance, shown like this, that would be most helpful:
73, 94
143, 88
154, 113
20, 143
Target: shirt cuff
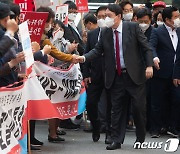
42, 51
156, 58
84, 59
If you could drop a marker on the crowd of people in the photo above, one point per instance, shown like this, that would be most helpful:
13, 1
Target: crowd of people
130, 61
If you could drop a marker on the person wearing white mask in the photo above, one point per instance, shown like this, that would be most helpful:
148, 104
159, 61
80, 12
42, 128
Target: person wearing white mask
158, 19
127, 7
165, 95
126, 70
72, 34
61, 43
144, 17
96, 104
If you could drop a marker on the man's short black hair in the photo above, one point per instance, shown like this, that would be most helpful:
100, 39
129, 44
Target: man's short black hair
51, 14
167, 12
144, 12
15, 8
124, 3
115, 8
101, 8
90, 18
71, 5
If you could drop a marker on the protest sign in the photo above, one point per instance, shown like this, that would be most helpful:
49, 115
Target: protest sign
26, 44
36, 22
25, 5
82, 6
62, 13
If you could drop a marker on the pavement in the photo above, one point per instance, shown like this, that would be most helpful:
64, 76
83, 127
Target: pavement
80, 142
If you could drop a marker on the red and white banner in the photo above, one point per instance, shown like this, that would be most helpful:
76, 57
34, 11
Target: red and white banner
62, 13
36, 22
25, 5
82, 6
13, 122
57, 94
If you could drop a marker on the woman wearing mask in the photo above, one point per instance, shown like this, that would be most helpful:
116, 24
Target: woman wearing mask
61, 43
158, 19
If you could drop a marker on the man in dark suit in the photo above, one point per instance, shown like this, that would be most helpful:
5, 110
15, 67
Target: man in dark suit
165, 44
125, 72
71, 32
94, 81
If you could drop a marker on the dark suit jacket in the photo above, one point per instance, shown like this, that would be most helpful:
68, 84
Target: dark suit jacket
163, 49
38, 56
5, 43
176, 73
133, 38
71, 35
93, 69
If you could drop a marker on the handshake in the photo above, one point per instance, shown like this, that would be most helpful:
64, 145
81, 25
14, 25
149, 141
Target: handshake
77, 59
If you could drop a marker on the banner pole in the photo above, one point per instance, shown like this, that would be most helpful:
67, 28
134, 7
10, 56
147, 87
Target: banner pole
82, 23
29, 144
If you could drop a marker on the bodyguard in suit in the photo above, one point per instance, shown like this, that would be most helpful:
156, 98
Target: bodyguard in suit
165, 45
125, 72
71, 32
94, 80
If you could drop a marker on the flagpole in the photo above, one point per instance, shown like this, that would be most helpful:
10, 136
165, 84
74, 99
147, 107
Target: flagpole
29, 144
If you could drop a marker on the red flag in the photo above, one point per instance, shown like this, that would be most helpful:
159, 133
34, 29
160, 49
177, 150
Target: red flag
82, 5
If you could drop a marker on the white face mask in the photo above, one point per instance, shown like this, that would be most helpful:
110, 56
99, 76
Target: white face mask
58, 34
72, 16
128, 16
144, 27
177, 23
48, 28
159, 23
101, 23
109, 22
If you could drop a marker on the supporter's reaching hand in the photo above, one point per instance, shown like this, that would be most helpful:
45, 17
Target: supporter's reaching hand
47, 49
19, 58
35, 47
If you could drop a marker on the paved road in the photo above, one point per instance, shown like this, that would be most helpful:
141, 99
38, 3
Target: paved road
80, 142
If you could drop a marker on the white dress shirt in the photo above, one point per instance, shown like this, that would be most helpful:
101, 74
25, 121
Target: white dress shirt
173, 36
119, 29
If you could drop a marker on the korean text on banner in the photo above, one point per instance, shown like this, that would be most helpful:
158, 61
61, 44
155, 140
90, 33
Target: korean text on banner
25, 5
26, 44
36, 23
13, 128
82, 6
58, 93
62, 13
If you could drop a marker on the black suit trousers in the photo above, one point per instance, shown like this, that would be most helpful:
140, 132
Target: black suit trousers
94, 92
165, 104
122, 85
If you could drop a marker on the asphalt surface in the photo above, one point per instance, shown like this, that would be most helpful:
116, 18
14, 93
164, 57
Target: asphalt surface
80, 142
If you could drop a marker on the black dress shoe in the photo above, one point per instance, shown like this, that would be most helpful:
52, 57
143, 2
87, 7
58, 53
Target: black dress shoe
108, 139
96, 136
60, 132
36, 143
56, 139
113, 146
33, 148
